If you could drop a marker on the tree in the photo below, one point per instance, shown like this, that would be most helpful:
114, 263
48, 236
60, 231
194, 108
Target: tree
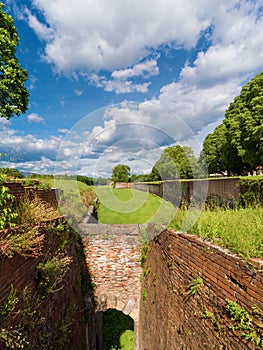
11, 172
219, 155
120, 173
244, 123
13, 94
176, 162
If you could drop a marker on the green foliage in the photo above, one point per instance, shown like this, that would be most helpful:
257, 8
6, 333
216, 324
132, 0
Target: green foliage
144, 294
194, 286
77, 197
206, 314
120, 173
25, 242
118, 331
144, 251
31, 212
66, 327
13, 339
13, 94
239, 230
11, 172
244, 122
50, 274
176, 162
251, 192
7, 214
170, 264
237, 144
10, 303
239, 316
85, 179
219, 155
242, 321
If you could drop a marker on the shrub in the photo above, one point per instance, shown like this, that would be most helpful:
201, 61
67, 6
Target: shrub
251, 192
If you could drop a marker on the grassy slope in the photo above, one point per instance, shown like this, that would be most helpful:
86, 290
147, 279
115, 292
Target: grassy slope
239, 230
130, 206
77, 197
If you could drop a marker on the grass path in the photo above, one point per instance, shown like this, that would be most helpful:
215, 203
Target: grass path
130, 206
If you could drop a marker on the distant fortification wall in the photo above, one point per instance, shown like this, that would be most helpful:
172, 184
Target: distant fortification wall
178, 191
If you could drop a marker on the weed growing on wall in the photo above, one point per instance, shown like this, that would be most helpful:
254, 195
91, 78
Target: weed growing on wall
145, 249
242, 321
31, 212
13, 338
194, 287
10, 303
25, 242
50, 274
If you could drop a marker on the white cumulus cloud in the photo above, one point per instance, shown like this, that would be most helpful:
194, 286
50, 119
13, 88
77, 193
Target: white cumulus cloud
88, 35
35, 118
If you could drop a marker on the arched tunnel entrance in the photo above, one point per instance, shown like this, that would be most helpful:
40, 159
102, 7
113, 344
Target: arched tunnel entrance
118, 330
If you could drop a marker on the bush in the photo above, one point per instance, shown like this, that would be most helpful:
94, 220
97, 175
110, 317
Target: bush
7, 215
251, 192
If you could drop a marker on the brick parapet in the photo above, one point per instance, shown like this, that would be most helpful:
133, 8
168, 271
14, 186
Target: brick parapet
174, 261
50, 196
40, 318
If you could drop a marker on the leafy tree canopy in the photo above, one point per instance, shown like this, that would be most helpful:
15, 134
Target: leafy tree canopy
120, 173
237, 144
13, 94
244, 122
176, 162
219, 155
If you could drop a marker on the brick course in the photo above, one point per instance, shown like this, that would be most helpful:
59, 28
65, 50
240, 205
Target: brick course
171, 319
44, 317
177, 191
50, 196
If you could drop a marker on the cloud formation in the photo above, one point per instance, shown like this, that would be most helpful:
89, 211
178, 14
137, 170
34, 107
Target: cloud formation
112, 35
119, 46
35, 118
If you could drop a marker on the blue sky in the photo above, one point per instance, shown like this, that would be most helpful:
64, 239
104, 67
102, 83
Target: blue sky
118, 81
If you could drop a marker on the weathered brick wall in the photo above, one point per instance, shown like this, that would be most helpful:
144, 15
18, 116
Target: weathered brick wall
50, 196
113, 256
53, 320
177, 191
123, 185
173, 318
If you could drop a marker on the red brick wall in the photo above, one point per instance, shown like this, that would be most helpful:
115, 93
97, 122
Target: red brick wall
172, 318
113, 257
53, 321
176, 190
50, 196
123, 185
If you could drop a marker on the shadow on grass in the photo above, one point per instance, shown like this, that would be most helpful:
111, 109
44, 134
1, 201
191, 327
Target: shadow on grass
118, 331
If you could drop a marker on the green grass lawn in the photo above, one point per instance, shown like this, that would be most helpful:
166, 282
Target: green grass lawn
118, 331
130, 206
239, 230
